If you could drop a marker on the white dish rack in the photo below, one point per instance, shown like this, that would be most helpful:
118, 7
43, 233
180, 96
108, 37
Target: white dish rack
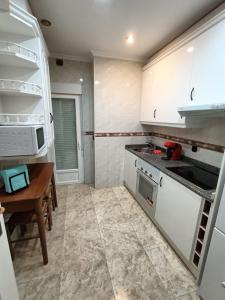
21, 119
17, 87
13, 48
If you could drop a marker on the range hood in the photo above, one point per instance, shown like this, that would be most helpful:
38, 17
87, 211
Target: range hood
206, 110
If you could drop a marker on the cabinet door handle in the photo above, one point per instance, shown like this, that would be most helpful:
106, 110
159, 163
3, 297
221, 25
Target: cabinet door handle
51, 118
191, 95
135, 163
160, 182
154, 113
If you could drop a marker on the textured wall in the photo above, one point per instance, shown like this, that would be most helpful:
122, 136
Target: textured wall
116, 109
71, 72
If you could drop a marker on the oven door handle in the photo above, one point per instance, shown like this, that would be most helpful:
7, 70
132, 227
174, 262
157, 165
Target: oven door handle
139, 173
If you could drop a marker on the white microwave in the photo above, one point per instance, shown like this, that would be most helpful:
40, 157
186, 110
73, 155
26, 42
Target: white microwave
22, 140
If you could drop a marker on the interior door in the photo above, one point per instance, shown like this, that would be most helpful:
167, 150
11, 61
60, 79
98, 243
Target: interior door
8, 286
68, 149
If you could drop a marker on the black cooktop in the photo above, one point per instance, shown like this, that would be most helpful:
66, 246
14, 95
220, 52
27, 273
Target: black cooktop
202, 178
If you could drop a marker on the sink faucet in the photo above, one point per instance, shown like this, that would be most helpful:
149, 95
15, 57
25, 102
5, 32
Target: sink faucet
151, 145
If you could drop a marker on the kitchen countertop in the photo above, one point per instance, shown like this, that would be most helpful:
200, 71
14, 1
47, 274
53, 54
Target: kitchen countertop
156, 161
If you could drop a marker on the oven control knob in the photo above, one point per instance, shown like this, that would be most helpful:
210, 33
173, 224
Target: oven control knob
146, 172
150, 175
141, 169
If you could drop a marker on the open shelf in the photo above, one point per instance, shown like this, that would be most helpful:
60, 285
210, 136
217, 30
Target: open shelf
11, 24
21, 119
10, 87
201, 233
12, 54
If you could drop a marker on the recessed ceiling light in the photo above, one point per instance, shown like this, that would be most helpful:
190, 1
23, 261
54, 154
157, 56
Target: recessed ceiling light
96, 82
46, 22
190, 49
81, 79
130, 39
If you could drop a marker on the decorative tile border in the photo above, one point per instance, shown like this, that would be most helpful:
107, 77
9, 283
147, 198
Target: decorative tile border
88, 132
121, 134
200, 144
203, 145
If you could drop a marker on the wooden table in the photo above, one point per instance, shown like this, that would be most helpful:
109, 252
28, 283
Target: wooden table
40, 174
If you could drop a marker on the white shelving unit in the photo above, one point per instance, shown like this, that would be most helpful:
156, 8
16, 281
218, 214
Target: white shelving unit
21, 119
25, 96
12, 54
9, 22
19, 88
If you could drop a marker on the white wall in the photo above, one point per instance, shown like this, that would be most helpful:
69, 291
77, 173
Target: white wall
71, 72
116, 109
4, 5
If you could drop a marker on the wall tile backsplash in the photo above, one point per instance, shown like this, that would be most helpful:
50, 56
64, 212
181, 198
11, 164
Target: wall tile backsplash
117, 94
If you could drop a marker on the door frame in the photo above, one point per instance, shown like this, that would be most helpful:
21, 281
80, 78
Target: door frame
68, 176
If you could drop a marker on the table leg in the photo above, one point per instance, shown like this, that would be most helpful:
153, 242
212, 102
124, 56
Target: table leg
54, 191
41, 229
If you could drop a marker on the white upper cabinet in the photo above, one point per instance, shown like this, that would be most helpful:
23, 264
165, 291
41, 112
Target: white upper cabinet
208, 73
165, 87
147, 101
192, 74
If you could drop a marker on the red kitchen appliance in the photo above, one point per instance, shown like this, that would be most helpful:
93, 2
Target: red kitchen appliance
173, 151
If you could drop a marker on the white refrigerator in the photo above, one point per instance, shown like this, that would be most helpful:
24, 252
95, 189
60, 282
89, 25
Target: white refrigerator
8, 286
212, 286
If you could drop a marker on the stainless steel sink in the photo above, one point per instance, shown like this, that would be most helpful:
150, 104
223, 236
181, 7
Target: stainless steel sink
144, 150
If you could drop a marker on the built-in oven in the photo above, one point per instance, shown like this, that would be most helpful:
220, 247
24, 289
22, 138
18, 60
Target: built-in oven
148, 178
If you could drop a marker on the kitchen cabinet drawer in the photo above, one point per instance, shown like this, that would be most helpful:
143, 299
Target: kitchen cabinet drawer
130, 171
213, 281
177, 212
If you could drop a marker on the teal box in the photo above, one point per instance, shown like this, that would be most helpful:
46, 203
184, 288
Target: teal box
15, 178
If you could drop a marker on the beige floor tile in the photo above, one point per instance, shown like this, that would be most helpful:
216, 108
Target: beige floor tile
102, 246
44, 288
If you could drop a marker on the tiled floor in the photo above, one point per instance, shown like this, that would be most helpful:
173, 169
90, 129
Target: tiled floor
102, 246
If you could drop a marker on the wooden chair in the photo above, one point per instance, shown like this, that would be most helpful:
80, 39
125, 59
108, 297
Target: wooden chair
22, 219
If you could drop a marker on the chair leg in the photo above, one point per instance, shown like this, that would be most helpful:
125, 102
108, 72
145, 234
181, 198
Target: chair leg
52, 199
41, 229
49, 213
54, 191
23, 230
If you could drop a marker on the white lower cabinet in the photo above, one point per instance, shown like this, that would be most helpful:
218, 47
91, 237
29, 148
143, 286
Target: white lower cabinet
213, 281
130, 173
177, 211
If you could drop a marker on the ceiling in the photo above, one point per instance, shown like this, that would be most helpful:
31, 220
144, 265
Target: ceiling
79, 26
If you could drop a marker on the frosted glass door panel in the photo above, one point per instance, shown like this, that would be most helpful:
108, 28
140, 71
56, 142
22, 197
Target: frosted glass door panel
64, 112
